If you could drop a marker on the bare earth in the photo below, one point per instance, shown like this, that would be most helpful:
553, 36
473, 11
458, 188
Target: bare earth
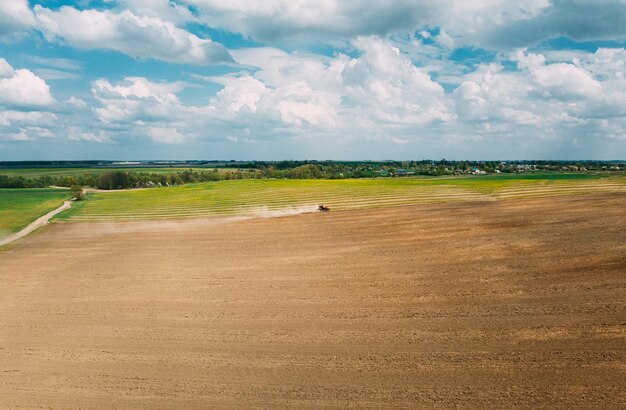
517, 303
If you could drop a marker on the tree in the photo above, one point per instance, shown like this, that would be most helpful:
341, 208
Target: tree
77, 192
114, 180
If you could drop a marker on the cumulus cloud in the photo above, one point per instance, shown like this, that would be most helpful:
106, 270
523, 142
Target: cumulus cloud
489, 23
78, 134
166, 135
6, 70
295, 103
560, 100
281, 21
22, 88
392, 87
559, 80
15, 15
239, 93
139, 107
136, 99
28, 133
18, 136
277, 20
288, 90
444, 39
379, 95
486, 23
285, 95
379, 89
164, 9
40, 118
576, 19
77, 102
24, 126
151, 28
490, 95
40, 132
139, 36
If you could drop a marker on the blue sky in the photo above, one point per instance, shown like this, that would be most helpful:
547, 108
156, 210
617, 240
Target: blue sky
278, 79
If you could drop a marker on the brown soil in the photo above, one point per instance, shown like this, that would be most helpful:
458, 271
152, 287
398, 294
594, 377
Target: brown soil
502, 304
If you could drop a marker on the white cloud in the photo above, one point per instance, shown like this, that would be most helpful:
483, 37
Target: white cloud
379, 95
6, 71
292, 90
580, 20
19, 136
23, 126
164, 9
40, 132
567, 80
393, 89
166, 135
53, 74
8, 118
286, 96
14, 15
444, 39
483, 23
136, 99
379, 89
22, 88
240, 93
140, 107
605, 63
491, 95
64, 64
29, 134
135, 35
487, 23
559, 80
566, 100
151, 28
77, 134
77, 102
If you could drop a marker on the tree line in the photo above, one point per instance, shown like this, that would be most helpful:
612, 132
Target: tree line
121, 179
118, 179
137, 179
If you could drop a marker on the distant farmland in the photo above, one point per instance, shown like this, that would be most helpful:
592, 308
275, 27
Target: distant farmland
19, 207
69, 171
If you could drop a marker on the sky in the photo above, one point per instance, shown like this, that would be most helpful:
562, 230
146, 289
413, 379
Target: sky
312, 79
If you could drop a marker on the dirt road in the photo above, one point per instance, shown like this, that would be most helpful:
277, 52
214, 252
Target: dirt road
38, 223
517, 303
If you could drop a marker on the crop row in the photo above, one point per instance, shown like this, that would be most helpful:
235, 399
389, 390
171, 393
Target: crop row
233, 202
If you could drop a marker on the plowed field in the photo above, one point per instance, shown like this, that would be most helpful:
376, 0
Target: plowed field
483, 304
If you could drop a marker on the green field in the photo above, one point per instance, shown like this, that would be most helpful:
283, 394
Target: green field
251, 196
19, 207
